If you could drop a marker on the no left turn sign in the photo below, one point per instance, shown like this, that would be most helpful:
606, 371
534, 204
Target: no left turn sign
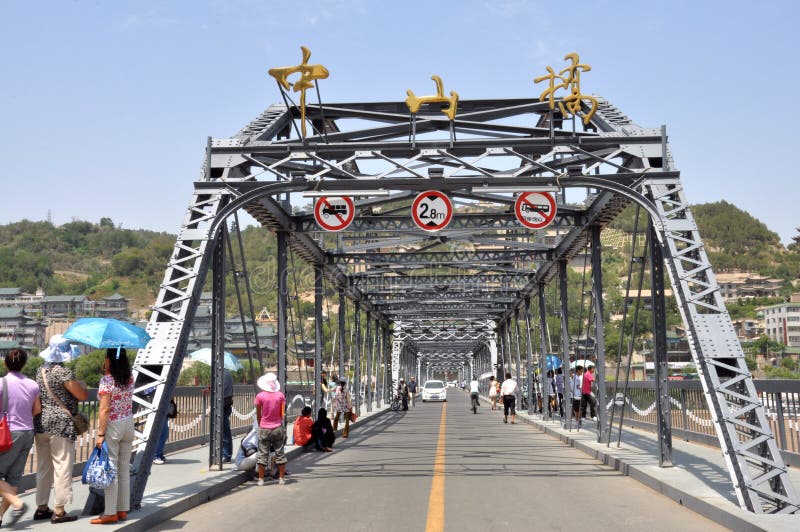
535, 209
432, 210
334, 213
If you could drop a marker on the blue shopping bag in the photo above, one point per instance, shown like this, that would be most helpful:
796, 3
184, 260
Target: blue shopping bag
99, 472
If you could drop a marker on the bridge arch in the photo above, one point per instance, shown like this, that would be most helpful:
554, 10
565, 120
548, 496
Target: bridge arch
458, 297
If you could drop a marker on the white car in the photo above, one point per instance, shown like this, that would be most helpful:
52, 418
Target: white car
434, 391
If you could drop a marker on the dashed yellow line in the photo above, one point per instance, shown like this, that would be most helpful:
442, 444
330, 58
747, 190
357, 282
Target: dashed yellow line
435, 521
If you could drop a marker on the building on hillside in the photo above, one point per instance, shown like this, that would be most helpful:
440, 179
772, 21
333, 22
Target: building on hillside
747, 285
748, 328
782, 321
16, 326
114, 306
64, 307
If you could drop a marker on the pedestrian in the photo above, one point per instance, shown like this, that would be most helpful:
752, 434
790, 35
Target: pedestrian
509, 392
270, 407
576, 378
551, 392
324, 387
493, 392
21, 402
55, 432
343, 403
115, 429
412, 390
560, 391
227, 404
587, 397
172, 413
322, 432
302, 429
402, 391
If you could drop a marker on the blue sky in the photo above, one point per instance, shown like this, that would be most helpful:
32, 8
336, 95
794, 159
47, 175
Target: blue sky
105, 106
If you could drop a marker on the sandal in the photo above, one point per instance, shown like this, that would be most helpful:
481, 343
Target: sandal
41, 515
63, 518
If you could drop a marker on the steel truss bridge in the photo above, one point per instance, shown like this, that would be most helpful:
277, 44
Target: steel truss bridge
462, 298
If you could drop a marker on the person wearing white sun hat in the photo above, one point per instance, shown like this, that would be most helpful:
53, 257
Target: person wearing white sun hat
270, 409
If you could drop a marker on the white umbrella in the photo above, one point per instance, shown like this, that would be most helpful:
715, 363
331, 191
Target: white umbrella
584, 363
485, 375
204, 357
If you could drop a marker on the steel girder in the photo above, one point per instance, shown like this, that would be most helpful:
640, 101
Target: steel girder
483, 257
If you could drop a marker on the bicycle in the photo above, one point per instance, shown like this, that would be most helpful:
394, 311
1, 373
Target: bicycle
474, 403
396, 403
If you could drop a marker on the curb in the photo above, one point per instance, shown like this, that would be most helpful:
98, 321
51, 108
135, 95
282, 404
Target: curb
218, 487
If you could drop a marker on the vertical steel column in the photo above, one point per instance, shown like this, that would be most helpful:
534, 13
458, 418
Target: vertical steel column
357, 361
529, 354
562, 288
218, 351
599, 331
379, 371
283, 306
660, 350
319, 293
519, 359
368, 379
342, 332
542, 347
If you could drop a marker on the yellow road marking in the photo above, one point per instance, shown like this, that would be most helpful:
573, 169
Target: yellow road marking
436, 500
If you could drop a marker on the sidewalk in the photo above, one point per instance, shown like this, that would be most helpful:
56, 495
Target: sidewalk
698, 479
184, 482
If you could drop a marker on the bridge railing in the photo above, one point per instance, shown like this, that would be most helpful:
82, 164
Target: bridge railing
189, 429
691, 419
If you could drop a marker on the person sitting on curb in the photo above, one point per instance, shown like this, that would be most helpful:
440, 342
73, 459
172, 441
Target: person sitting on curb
302, 429
322, 432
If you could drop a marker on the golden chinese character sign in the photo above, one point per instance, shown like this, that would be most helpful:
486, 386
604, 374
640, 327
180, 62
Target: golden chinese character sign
308, 74
568, 79
414, 102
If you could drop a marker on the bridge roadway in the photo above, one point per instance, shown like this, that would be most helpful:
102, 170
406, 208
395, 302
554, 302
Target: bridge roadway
439, 467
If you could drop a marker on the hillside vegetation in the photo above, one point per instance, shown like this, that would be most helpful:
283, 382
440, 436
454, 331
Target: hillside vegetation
98, 259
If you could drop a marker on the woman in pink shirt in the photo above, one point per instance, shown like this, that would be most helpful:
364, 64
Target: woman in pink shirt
270, 409
23, 403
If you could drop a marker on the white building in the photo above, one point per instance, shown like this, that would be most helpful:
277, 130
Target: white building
782, 322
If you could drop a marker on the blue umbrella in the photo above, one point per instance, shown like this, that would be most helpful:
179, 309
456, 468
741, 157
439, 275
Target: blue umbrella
553, 362
204, 357
107, 333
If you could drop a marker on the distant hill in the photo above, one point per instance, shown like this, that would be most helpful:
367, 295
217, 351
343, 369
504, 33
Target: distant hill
99, 259
735, 240
84, 258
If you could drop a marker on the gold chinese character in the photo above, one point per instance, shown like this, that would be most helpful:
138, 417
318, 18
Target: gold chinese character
308, 74
571, 82
414, 102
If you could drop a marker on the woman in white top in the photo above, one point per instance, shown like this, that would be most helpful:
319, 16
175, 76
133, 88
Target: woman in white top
493, 392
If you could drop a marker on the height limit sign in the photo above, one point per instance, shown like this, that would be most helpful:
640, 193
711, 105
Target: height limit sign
334, 213
535, 209
432, 210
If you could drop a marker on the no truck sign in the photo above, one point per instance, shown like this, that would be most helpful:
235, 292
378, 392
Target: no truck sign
334, 213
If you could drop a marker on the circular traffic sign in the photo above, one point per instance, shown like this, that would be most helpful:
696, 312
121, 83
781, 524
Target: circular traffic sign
535, 209
334, 213
432, 210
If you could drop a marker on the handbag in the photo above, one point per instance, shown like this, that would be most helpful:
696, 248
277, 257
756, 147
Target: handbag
6, 442
80, 421
99, 472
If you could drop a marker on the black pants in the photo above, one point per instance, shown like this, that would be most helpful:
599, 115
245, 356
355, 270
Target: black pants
588, 398
510, 403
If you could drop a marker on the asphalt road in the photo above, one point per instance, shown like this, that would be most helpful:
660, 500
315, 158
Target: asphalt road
424, 471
